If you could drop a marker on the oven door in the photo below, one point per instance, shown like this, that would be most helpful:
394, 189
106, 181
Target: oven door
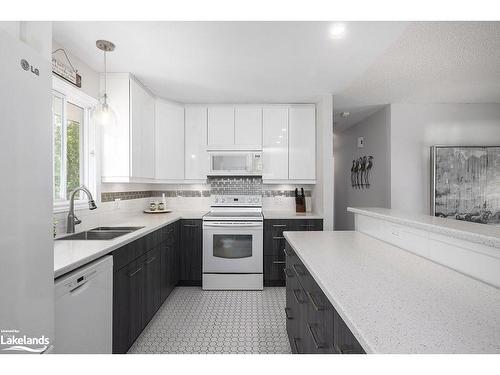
232, 247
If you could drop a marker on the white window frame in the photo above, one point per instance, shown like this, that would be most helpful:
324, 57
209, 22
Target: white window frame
88, 174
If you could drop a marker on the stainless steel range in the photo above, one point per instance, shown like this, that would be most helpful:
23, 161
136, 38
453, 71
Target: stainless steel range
233, 243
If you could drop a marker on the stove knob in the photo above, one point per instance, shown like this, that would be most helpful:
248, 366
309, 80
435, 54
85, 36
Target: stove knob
223, 200
216, 200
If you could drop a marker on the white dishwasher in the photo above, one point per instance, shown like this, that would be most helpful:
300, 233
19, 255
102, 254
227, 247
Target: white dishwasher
84, 309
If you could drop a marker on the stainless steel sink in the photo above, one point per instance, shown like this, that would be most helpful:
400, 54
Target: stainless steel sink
100, 233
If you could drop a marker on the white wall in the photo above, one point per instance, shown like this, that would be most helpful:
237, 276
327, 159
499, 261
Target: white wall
322, 194
90, 78
376, 131
416, 127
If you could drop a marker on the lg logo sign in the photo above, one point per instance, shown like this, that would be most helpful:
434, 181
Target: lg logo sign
26, 66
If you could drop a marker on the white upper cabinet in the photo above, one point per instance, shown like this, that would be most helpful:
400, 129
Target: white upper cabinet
128, 148
302, 142
220, 126
142, 126
195, 150
248, 127
169, 146
275, 143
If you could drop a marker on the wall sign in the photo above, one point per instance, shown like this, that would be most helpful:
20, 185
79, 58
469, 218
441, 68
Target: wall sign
64, 71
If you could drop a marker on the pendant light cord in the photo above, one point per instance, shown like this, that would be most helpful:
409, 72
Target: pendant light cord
105, 80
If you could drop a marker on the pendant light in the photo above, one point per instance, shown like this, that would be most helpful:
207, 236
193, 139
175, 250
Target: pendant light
104, 114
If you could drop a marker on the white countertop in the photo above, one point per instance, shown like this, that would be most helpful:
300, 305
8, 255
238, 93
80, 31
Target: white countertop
488, 235
397, 302
277, 214
69, 255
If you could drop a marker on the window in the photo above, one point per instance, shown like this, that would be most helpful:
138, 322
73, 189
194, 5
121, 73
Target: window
73, 144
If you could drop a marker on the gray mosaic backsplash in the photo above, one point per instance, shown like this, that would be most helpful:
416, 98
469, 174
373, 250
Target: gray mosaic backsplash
126, 195
235, 185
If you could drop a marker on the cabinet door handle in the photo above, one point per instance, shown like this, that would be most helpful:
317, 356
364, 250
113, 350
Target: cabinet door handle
135, 272
299, 301
191, 225
150, 260
287, 272
279, 262
316, 306
297, 271
279, 225
278, 238
295, 339
287, 309
312, 331
307, 225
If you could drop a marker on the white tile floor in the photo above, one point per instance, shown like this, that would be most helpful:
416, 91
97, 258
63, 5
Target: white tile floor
194, 321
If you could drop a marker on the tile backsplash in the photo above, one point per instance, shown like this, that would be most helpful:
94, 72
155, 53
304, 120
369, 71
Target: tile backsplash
235, 185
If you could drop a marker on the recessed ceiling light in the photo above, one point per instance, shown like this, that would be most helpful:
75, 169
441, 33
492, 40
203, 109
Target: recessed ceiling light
337, 31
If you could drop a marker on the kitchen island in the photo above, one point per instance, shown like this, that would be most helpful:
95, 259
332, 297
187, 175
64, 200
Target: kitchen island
394, 301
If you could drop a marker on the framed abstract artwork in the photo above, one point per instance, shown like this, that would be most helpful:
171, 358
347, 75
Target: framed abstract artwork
465, 183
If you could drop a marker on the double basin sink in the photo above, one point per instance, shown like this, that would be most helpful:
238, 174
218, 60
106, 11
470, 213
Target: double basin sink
100, 233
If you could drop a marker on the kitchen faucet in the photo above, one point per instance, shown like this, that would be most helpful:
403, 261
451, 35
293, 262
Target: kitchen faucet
72, 219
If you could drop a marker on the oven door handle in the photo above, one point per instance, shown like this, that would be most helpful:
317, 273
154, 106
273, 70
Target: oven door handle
232, 225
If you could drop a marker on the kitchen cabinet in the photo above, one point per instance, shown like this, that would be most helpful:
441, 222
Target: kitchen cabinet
302, 143
169, 138
275, 143
142, 127
220, 126
248, 127
191, 252
128, 146
195, 143
145, 272
313, 325
274, 245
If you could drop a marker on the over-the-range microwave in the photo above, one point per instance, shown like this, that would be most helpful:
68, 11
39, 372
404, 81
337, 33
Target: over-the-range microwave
235, 163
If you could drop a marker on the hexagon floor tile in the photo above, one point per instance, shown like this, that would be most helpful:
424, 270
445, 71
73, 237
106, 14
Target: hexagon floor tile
195, 321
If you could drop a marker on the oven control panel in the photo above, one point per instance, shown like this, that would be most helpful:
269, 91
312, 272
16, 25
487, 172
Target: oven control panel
236, 200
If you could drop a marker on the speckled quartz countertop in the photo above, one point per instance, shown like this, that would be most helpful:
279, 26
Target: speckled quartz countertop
488, 235
397, 302
69, 255
283, 214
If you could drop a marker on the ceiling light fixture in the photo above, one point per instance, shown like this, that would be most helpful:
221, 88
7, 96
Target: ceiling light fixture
337, 31
104, 114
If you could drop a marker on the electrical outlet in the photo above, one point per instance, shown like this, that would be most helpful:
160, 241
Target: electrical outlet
361, 142
117, 203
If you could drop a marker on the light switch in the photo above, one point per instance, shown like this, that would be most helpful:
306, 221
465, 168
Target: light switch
361, 142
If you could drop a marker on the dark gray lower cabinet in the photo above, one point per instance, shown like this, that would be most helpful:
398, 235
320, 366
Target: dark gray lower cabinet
191, 240
141, 284
313, 326
274, 244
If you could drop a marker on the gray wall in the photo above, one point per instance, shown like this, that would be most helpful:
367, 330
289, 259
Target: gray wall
416, 127
376, 131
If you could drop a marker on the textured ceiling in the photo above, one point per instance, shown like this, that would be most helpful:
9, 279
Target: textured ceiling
432, 62
233, 61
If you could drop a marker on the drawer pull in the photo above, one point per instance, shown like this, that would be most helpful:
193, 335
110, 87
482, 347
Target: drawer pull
287, 309
287, 272
312, 331
296, 268
279, 238
150, 260
279, 225
307, 225
279, 262
135, 272
191, 225
295, 294
316, 306
295, 339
